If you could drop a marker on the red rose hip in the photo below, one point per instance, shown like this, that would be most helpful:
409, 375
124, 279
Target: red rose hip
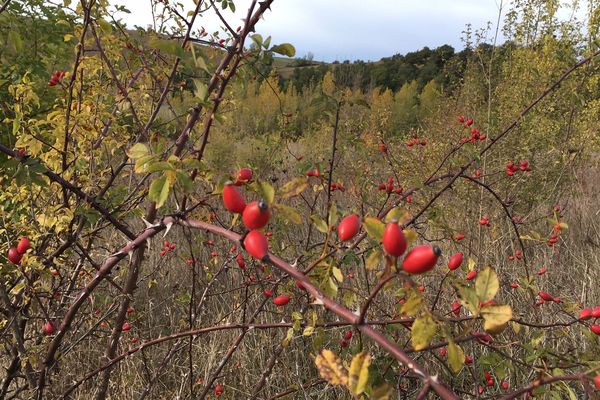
421, 259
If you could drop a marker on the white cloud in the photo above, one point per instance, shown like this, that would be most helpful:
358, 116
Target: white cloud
352, 29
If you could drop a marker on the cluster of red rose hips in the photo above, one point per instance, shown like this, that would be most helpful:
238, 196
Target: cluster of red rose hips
518, 255
313, 172
167, 247
389, 187
556, 229
15, 254
418, 260
589, 313
416, 141
511, 168
56, 78
337, 186
475, 134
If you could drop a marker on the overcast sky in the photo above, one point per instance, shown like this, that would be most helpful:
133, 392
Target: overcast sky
353, 29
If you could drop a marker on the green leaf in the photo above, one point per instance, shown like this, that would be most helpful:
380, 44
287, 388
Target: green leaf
159, 191
358, 375
333, 215
285, 49
468, 298
185, 181
319, 223
495, 316
266, 191
374, 228
138, 150
486, 284
140, 163
159, 166
456, 357
201, 90
423, 331
293, 188
288, 213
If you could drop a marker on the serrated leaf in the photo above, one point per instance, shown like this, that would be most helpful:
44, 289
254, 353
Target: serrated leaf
422, 332
373, 260
288, 213
319, 223
308, 331
468, 298
337, 274
456, 357
159, 166
495, 316
285, 49
374, 228
159, 191
138, 150
412, 306
288, 337
333, 215
331, 368
266, 191
293, 188
359, 373
486, 284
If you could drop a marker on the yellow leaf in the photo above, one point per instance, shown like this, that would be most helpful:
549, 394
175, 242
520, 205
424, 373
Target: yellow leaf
374, 228
410, 235
337, 273
359, 373
319, 223
373, 260
413, 305
331, 368
486, 284
308, 331
456, 357
495, 316
423, 330
293, 188
266, 191
289, 213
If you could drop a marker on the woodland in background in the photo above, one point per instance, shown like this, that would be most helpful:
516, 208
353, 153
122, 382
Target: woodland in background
121, 148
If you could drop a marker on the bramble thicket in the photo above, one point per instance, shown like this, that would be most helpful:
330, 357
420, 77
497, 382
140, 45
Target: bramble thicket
193, 214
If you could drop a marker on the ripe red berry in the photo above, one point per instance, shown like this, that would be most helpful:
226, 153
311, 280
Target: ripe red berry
382, 148
243, 175
256, 245
442, 352
596, 312
14, 256
481, 389
585, 314
456, 307
348, 336
461, 119
48, 328
281, 300
394, 242
218, 389
268, 293
514, 285
459, 236
348, 227
309, 172
299, 285
471, 275
23, 245
504, 385
595, 329
232, 199
130, 310
240, 261
421, 259
133, 340
256, 215
21, 152
455, 261
597, 382
468, 360
54, 272
381, 186
126, 327
546, 296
